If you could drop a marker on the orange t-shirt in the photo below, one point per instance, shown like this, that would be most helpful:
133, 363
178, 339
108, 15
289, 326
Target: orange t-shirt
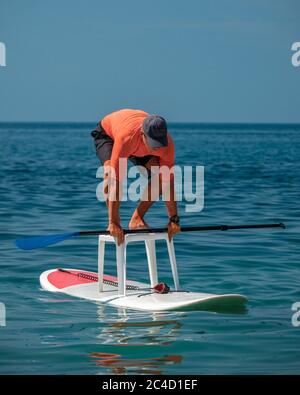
124, 127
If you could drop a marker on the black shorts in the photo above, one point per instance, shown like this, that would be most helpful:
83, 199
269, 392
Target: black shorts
104, 146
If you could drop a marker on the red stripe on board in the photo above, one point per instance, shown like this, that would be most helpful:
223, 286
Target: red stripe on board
62, 280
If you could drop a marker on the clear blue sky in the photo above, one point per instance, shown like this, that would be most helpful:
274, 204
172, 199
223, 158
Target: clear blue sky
192, 60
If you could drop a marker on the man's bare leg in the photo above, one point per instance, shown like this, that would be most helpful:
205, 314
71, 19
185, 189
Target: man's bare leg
150, 195
105, 181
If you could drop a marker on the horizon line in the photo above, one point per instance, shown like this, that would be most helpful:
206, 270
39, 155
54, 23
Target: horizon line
169, 122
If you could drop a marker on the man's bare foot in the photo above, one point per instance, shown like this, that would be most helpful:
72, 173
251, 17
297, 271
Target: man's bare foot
137, 222
116, 230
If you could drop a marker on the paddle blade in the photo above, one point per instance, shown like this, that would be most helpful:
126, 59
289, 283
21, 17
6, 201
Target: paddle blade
30, 243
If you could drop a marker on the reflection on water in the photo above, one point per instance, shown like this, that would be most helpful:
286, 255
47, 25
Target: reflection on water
120, 365
127, 328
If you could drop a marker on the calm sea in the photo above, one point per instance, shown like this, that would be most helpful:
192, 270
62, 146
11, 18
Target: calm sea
47, 185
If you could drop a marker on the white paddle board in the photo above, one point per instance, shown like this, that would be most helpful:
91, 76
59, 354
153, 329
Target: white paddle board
139, 296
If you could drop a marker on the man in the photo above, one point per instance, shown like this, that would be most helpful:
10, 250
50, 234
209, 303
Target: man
144, 140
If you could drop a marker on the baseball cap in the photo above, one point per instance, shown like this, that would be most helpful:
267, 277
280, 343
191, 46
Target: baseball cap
155, 130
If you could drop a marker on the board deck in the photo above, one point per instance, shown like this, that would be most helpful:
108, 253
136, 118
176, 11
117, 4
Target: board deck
139, 296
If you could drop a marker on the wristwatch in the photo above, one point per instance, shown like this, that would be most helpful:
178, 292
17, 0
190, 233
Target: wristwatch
174, 219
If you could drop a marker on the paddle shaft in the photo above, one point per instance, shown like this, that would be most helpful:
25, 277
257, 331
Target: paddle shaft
30, 243
185, 229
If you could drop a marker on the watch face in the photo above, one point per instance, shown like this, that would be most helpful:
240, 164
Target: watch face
175, 219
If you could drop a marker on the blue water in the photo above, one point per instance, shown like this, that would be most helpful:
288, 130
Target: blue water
47, 185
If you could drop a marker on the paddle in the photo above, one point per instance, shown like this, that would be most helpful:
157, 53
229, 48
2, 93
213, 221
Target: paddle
30, 243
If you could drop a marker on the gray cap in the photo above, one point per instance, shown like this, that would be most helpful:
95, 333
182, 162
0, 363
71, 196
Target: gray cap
155, 130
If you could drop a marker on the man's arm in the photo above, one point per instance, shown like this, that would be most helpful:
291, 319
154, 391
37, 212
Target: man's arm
168, 186
171, 205
115, 190
170, 200
114, 224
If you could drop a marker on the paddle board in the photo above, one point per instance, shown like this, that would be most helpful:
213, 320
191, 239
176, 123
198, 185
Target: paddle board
139, 296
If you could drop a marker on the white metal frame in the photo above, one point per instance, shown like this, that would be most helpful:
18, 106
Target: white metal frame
149, 239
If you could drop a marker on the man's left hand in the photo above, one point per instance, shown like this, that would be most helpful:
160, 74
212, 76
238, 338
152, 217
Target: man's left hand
172, 229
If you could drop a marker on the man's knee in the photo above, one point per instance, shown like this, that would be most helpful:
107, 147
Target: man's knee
107, 174
107, 168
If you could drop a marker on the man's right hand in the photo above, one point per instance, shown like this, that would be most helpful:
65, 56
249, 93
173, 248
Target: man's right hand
116, 230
